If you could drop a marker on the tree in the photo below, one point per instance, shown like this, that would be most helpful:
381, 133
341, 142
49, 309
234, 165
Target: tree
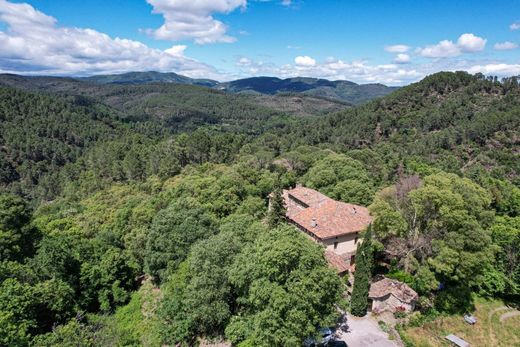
506, 269
342, 178
17, 237
72, 334
363, 275
276, 213
171, 235
199, 298
440, 224
285, 290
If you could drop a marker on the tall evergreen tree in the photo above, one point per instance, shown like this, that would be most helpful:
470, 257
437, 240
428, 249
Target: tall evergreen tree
363, 275
276, 213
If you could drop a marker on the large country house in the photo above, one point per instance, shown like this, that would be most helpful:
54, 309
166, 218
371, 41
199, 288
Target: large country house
332, 223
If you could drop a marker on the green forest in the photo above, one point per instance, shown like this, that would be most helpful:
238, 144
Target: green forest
137, 215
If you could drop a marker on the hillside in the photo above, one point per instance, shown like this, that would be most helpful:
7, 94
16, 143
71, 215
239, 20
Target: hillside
125, 223
148, 77
39, 134
180, 106
342, 91
458, 121
57, 120
346, 91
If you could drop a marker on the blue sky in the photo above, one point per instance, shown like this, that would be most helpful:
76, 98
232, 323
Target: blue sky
392, 42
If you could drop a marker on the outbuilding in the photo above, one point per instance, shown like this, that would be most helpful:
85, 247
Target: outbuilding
391, 295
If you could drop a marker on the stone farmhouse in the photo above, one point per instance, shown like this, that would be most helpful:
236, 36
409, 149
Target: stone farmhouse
391, 295
334, 224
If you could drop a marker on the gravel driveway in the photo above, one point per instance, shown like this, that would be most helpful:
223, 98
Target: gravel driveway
365, 332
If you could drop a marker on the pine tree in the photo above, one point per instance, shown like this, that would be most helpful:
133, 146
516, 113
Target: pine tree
276, 212
362, 276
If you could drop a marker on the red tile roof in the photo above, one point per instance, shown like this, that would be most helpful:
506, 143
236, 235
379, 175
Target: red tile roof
336, 262
309, 197
323, 216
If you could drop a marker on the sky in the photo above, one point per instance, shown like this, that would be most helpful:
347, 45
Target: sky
394, 42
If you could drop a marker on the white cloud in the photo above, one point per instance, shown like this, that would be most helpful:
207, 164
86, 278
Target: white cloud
505, 46
471, 43
193, 19
500, 69
286, 2
304, 61
397, 48
515, 26
176, 50
34, 43
402, 58
443, 49
466, 43
244, 61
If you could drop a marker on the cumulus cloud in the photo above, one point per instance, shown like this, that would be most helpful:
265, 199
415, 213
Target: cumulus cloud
304, 61
193, 20
471, 43
176, 50
397, 48
515, 26
500, 69
402, 58
443, 49
34, 43
505, 46
466, 43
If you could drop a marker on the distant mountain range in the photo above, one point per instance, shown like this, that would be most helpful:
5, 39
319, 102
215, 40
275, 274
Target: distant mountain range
148, 77
345, 91
340, 90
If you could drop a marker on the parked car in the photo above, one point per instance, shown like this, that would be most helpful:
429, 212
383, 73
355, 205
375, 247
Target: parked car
470, 319
324, 338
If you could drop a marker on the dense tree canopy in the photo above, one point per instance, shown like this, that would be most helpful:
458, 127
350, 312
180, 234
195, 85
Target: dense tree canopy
136, 215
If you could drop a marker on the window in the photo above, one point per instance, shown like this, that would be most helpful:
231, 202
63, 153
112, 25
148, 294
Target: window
355, 240
335, 245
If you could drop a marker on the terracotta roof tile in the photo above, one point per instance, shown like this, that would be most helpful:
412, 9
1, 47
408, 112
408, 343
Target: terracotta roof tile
336, 262
308, 196
390, 286
323, 216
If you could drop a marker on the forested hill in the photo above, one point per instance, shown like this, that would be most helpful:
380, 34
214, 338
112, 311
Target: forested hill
39, 134
148, 77
124, 222
56, 120
339, 90
178, 103
344, 91
456, 121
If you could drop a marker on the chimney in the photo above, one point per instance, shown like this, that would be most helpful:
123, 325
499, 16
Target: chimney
313, 223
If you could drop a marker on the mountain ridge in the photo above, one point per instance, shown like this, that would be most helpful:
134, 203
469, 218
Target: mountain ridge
342, 90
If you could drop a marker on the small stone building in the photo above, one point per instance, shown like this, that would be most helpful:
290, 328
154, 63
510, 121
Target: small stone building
391, 295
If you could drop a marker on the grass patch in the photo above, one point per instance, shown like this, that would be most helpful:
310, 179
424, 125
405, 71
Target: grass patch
489, 330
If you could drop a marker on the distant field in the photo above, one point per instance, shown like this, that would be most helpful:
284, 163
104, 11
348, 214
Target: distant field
498, 325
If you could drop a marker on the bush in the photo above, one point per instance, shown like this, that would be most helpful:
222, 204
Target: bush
400, 312
383, 326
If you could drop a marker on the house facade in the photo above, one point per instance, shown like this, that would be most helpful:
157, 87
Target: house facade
334, 224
